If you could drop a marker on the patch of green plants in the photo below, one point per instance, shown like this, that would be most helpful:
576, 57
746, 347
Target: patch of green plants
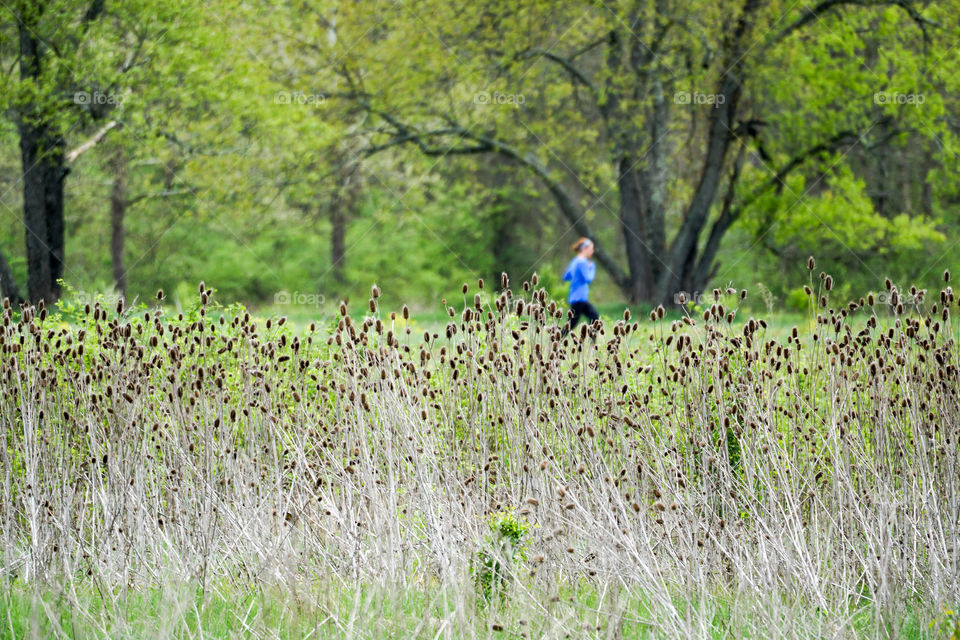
504, 548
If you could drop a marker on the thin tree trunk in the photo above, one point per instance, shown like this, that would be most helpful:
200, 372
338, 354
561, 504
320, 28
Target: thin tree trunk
338, 235
8, 284
118, 210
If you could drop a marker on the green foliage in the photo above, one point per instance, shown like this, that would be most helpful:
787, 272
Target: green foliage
798, 300
947, 626
239, 140
495, 565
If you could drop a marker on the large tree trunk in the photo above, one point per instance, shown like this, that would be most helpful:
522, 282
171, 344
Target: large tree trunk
118, 210
44, 171
639, 257
681, 262
729, 213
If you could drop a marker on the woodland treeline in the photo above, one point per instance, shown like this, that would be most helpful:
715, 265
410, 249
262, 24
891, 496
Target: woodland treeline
316, 146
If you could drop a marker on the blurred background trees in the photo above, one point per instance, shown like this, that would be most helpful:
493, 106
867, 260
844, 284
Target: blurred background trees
324, 145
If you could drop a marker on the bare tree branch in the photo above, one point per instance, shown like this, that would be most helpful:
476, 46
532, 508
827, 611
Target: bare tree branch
91, 142
812, 14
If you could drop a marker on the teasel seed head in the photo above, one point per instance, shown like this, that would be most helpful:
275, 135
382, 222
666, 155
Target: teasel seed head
406, 312
811, 263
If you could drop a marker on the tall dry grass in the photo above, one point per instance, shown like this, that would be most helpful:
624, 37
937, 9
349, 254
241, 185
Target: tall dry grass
794, 485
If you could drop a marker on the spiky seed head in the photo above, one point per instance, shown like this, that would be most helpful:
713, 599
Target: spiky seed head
811, 263
375, 291
405, 312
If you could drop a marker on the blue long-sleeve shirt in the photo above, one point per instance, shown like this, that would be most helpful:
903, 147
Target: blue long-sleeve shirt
579, 274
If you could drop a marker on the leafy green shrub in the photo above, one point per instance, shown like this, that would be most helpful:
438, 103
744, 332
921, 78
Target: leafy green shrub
797, 300
947, 626
503, 547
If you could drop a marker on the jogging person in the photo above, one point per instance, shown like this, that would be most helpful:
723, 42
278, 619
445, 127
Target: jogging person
580, 273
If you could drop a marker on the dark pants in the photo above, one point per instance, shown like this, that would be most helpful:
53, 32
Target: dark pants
579, 310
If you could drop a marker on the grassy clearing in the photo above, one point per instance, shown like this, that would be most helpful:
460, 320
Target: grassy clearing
213, 475
407, 611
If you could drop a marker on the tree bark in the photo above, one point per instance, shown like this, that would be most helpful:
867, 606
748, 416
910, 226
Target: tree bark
729, 213
118, 211
639, 257
681, 257
8, 284
338, 235
42, 154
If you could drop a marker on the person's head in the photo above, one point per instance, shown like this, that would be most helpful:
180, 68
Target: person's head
583, 247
